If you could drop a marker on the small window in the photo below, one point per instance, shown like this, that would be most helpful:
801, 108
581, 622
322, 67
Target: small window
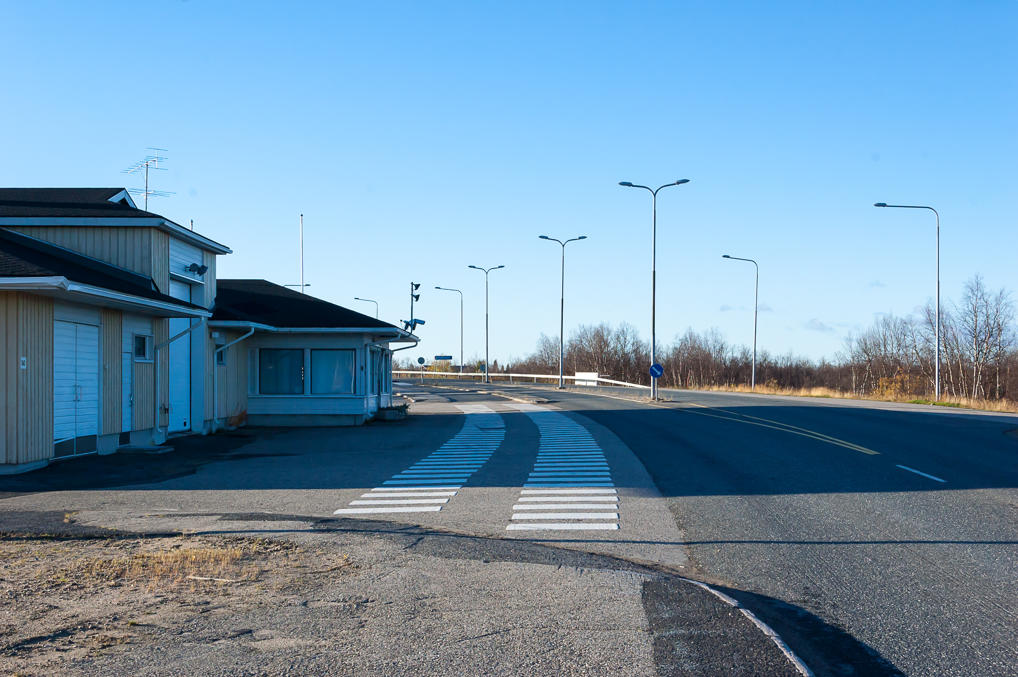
221, 357
142, 348
280, 371
332, 372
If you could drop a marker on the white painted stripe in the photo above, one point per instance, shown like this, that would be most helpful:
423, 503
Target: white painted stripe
415, 488
570, 473
564, 526
569, 497
935, 479
404, 483
408, 494
565, 506
369, 511
568, 516
578, 483
526, 492
400, 501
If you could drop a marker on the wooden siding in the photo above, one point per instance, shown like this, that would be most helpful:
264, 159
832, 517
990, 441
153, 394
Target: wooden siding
26, 395
127, 246
210, 279
161, 331
160, 257
111, 338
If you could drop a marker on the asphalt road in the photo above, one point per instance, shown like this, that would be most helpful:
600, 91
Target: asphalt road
896, 524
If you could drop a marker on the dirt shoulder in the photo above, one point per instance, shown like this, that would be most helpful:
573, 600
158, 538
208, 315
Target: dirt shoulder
73, 599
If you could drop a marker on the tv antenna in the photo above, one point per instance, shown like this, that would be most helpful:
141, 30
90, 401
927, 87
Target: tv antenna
151, 161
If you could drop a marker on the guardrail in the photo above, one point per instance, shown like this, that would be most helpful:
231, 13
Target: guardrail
513, 378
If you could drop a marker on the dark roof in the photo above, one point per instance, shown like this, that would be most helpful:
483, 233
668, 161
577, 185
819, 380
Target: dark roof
262, 302
24, 256
67, 202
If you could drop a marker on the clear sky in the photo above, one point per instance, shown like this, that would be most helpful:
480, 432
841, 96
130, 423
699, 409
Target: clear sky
418, 138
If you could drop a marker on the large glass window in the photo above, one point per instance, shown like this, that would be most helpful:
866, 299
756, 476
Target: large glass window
332, 372
280, 371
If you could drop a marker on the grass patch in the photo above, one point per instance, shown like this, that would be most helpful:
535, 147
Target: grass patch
1002, 406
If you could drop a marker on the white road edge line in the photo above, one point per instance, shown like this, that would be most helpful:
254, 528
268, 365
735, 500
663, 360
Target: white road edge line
931, 477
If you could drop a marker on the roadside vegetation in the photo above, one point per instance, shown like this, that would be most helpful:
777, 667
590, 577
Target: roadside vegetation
892, 360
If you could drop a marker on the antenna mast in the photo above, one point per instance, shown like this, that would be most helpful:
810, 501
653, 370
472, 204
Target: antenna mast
151, 161
302, 254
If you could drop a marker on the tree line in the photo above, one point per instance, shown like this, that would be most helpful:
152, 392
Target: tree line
893, 358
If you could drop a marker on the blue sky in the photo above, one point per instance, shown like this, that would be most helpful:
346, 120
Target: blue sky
418, 138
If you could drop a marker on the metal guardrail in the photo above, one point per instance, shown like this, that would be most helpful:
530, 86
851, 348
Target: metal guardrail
511, 378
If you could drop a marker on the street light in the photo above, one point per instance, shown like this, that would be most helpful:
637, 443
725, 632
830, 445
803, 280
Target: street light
487, 376
936, 376
756, 306
461, 322
358, 298
653, 274
562, 305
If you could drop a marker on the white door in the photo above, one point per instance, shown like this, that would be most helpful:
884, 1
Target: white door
127, 391
75, 388
180, 364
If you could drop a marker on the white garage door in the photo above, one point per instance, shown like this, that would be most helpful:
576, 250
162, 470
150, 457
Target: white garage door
75, 388
180, 364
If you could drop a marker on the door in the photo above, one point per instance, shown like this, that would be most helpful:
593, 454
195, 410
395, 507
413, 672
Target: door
75, 388
127, 391
180, 364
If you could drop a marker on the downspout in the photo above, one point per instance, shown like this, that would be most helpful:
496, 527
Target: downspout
157, 438
215, 375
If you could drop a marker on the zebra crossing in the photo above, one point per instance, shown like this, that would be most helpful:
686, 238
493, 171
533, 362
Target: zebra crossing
427, 485
570, 487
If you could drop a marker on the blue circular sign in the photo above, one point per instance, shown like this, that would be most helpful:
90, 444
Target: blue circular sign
656, 370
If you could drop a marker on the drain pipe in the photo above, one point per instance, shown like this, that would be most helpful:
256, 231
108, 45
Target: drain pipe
159, 438
215, 375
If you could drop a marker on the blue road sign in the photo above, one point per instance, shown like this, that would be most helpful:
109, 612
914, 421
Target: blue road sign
656, 370
443, 357
420, 360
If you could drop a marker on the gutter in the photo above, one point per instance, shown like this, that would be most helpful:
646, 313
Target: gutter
59, 283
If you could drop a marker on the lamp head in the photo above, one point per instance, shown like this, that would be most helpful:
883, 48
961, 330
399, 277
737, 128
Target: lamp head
582, 237
627, 184
681, 181
725, 256
879, 204
544, 237
475, 267
497, 267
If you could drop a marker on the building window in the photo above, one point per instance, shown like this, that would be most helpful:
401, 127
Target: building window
221, 357
142, 348
332, 372
280, 371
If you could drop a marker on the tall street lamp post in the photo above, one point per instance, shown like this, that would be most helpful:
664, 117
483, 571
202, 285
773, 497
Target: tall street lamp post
461, 321
358, 298
562, 305
487, 376
756, 306
653, 274
936, 376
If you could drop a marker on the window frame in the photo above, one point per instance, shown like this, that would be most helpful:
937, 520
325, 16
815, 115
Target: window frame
353, 372
303, 372
148, 358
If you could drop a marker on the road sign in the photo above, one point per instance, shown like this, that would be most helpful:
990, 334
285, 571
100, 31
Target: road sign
656, 370
420, 360
443, 357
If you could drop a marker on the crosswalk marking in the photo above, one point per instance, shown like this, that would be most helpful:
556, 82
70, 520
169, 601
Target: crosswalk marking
563, 526
428, 484
570, 486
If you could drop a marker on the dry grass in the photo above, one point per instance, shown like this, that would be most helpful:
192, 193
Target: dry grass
1003, 406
